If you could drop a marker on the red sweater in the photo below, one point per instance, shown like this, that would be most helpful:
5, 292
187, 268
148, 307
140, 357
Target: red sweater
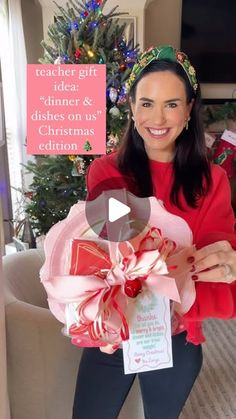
213, 220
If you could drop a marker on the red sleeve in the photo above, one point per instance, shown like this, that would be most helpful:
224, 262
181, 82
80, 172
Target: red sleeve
216, 217
216, 222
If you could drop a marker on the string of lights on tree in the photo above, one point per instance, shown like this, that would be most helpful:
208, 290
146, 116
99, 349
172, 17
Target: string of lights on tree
81, 34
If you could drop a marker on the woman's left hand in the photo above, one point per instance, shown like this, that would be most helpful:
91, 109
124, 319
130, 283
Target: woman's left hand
215, 262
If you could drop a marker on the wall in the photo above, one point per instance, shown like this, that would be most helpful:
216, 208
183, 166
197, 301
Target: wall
163, 26
162, 23
33, 29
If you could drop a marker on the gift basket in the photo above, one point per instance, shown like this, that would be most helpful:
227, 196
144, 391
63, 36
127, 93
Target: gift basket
91, 282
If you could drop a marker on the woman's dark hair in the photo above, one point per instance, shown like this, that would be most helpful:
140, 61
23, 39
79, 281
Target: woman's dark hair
191, 167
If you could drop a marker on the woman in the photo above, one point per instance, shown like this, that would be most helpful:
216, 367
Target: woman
163, 154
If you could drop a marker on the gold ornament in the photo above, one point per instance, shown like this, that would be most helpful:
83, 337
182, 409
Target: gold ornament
90, 53
72, 157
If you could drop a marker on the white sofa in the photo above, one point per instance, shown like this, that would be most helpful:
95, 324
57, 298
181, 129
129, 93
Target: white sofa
42, 364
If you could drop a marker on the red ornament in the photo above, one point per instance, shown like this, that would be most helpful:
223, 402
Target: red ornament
86, 13
29, 195
77, 53
122, 67
133, 287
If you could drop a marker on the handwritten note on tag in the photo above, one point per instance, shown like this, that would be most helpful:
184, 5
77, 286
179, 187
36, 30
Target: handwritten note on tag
149, 347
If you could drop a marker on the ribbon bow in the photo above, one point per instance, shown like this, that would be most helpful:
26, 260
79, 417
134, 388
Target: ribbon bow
101, 282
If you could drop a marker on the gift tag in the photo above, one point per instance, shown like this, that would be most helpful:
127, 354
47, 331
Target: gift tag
149, 346
229, 136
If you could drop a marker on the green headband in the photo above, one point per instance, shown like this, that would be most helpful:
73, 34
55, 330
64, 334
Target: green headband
162, 53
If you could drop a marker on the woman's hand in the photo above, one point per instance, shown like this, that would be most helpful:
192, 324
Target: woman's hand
214, 263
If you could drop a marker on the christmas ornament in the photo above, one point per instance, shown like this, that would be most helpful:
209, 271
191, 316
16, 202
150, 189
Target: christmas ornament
78, 167
112, 142
121, 100
113, 94
114, 112
133, 287
122, 67
77, 53
90, 53
42, 203
29, 195
66, 193
72, 157
74, 171
59, 60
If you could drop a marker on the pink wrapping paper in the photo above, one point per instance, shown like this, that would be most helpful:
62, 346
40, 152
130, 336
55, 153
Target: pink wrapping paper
99, 297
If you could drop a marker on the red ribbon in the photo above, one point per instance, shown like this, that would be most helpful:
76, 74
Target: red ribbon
109, 323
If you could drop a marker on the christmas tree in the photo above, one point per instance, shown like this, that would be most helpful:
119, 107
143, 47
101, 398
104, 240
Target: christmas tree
81, 34
54, 190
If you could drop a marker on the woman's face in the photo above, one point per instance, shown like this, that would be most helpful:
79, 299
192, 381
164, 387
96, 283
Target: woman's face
160, 112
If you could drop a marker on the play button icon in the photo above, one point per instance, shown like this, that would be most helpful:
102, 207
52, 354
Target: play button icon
116, 214
116, 209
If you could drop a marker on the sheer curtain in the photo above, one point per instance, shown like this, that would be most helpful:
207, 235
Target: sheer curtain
13, 67
13, 64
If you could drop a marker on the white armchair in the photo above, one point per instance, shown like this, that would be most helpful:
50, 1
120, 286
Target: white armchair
42, 363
